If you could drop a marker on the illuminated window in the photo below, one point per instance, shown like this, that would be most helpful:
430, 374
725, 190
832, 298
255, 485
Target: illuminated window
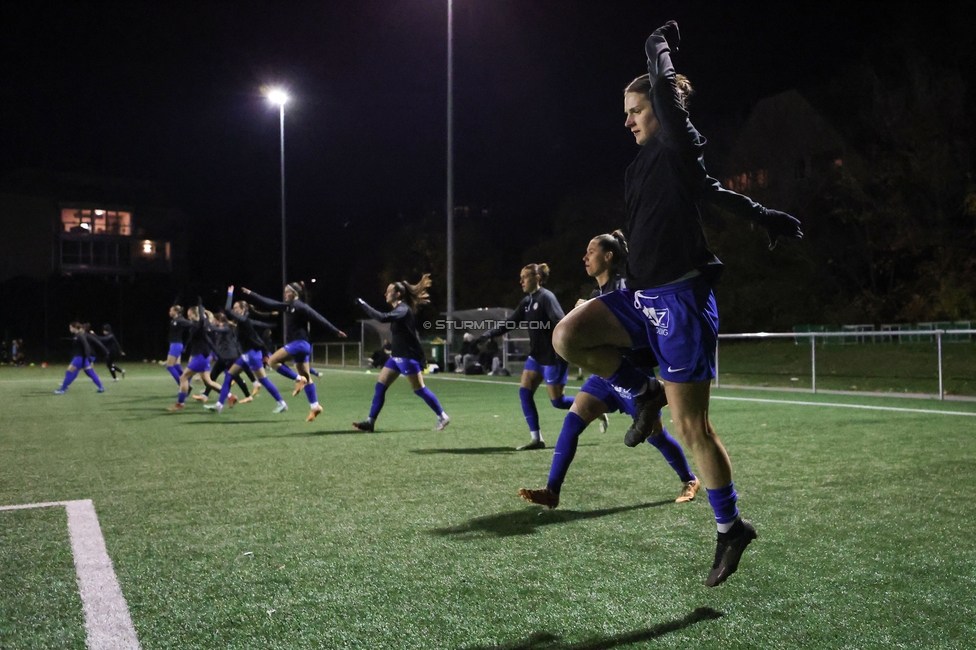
96, 222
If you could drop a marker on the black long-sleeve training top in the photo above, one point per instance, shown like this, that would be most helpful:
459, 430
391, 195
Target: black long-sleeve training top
298, 316
615, 282
541, 311
82, 344
177, 328
200, 341
111, 343
665, 186
247, 334
403, 330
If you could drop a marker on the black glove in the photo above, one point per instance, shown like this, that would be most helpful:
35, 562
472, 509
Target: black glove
779, 226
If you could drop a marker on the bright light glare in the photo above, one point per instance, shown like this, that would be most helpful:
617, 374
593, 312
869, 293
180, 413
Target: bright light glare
277, 96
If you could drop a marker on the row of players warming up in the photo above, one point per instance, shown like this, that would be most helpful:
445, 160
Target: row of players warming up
234, 340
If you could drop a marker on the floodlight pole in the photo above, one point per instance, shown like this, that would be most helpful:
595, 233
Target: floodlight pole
284, 267
450, 181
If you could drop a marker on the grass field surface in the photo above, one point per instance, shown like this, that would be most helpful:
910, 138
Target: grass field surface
253, 530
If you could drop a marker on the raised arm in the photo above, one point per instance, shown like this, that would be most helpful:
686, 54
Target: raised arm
397, 313
779, 225
267, 303
676, 128
317, 317
92, 339
229, 304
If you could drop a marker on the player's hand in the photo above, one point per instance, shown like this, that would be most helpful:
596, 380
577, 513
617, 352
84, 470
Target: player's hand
579, 302
245, 290
343, 335
671, 34
230, 289
780, 227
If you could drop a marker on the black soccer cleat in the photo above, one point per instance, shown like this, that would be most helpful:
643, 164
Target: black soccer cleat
728, 551
648, 405
365, 426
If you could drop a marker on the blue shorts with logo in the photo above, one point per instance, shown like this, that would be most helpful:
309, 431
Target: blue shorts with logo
252, 360
615, 399
176, 350
299, 350
556, 374
82, 362
403, 365
199, 363
679, 322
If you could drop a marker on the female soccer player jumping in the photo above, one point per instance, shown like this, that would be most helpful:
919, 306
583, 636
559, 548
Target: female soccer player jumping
200, 349
540, 312
669, 304
177, 327
407, 356
298, 316
81, 357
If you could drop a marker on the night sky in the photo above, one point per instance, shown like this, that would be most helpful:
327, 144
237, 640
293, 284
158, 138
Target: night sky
171, 93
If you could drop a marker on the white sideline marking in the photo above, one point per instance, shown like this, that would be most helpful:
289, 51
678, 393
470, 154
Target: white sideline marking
898, 409
107, 620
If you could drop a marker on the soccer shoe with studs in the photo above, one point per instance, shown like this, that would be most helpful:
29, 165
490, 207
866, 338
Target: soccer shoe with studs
365, 426
688, 491
255, 389
299, 385
648, 405
442, 421
231, 399
249, 398
176, 407
60, 391
314, 413
535, 444
728, 551
604, 420
200, 398
101, 389
216, 408
281, 408
544, 497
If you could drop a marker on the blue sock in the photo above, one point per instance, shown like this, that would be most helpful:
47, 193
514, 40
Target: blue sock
528, 408
629, 377
91, 375
69, 376
176, 374
379, 398
673, 453
722, 501
287, 372
272, 389
563, 402
565, 451
315, 372
181, 397
310, 393
431, 399
225, 389
179, 371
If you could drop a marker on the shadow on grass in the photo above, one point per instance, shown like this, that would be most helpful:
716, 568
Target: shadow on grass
465, 451
547, 641
527, 521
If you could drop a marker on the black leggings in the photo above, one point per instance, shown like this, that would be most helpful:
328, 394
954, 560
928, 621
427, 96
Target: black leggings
222, 365
110, 363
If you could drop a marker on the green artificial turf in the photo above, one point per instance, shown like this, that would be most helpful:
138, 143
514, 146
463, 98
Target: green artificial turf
250, 530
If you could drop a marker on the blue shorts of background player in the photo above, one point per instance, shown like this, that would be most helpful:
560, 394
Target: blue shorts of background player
299, 350
252, 360
83, 363
679, 322
403, 365
175, 350
555, 375
199, 363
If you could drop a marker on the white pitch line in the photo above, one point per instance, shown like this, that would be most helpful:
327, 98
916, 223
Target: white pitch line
107, 620
897, 409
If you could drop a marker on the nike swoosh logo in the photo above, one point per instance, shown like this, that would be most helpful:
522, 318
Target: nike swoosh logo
670, 369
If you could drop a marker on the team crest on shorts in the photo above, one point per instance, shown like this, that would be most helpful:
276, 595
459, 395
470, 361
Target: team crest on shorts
660, 319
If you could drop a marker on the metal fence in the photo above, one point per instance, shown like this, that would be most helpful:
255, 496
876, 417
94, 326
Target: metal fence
851, 336
343, 354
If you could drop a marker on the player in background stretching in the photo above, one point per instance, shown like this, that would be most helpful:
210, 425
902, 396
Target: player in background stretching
177, 328
605, 256
201, 346
407, 355
298, 316
81, 357
540, 312
114, 351
669, 304
252, 358
227, 351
